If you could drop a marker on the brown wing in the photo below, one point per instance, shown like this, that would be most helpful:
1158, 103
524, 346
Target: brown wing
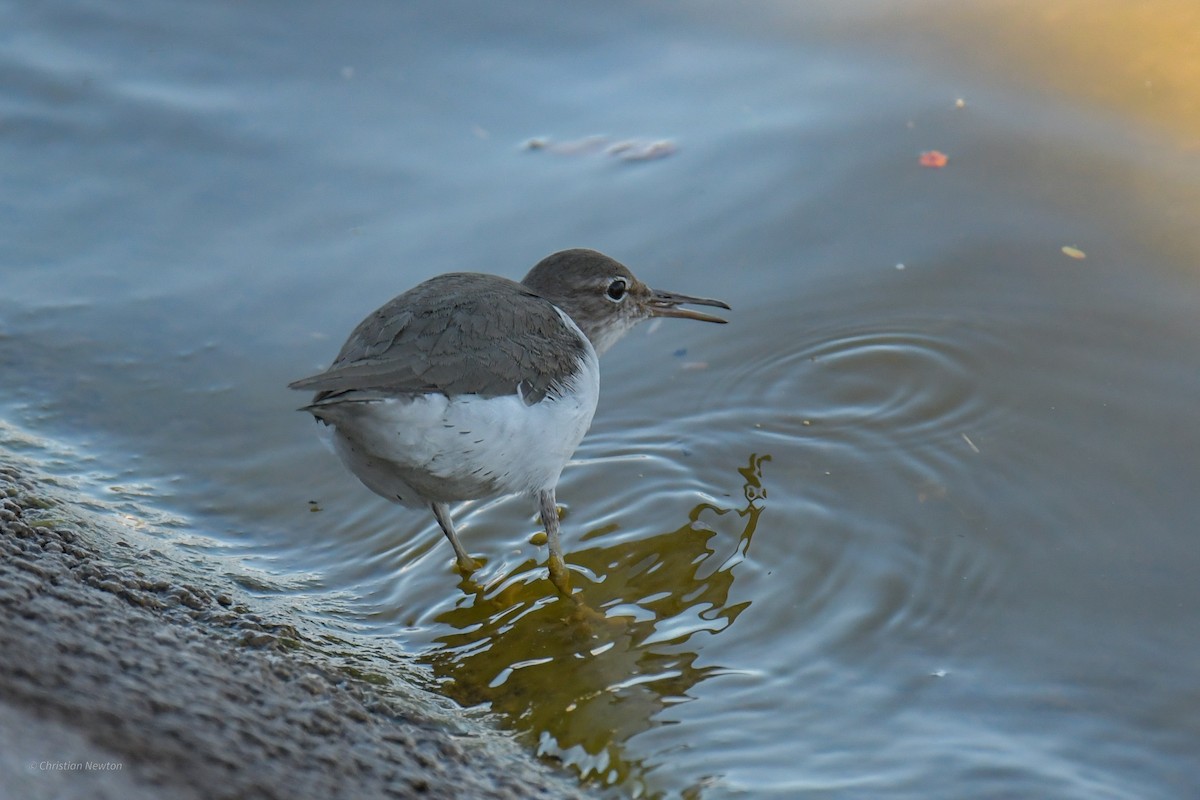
459, 333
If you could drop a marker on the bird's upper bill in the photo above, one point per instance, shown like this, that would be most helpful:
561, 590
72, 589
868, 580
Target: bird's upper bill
667, 304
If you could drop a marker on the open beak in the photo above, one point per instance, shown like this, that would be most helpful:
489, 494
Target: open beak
667, 304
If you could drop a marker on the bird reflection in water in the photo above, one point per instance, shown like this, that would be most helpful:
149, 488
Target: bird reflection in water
582, 689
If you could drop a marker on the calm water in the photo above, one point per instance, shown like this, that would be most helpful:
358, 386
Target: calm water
921, 522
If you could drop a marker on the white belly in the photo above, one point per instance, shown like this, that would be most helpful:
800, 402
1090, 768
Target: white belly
416, 450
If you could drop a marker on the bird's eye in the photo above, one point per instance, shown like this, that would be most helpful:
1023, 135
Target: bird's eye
616, 290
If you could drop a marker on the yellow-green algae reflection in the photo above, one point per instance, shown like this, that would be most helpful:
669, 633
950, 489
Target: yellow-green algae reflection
582, 686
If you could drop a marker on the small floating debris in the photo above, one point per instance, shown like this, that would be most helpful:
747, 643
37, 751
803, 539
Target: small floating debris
622, 149
574, 147
970, 444
933, 159
1074, 252
637, 150
960, 103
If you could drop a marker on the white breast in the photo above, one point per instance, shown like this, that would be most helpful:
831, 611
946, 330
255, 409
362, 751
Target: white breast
413, 450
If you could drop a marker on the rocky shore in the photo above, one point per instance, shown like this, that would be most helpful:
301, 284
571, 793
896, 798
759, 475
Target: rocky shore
120, 679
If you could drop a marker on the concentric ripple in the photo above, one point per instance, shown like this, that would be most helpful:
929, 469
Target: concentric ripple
901, 385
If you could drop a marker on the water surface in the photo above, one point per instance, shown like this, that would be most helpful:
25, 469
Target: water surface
920, 522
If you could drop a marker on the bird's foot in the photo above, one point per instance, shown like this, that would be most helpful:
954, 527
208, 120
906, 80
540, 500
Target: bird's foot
466, 565
588, 619
560, 576
593, 623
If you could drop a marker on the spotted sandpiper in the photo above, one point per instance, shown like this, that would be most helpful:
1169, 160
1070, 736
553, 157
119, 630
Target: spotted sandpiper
470, 386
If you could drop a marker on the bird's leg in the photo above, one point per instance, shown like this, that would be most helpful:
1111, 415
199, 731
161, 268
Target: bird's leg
559, 575
583, 614
442, 513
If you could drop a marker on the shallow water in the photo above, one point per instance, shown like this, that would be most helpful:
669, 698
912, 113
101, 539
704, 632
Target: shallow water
920, 522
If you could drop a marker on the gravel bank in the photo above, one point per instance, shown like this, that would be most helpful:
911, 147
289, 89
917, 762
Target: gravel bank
120, 680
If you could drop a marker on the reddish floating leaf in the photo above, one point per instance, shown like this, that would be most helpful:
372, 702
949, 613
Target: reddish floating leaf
933, 159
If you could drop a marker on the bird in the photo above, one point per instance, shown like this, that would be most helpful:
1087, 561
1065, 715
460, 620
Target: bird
471, 385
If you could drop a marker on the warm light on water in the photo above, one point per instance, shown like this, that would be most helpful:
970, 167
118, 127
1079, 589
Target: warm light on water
1140, 60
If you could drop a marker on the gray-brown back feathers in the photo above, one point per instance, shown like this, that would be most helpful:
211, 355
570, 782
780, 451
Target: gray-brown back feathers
458, 333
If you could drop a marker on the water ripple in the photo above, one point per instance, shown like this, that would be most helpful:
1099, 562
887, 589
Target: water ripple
902, 384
